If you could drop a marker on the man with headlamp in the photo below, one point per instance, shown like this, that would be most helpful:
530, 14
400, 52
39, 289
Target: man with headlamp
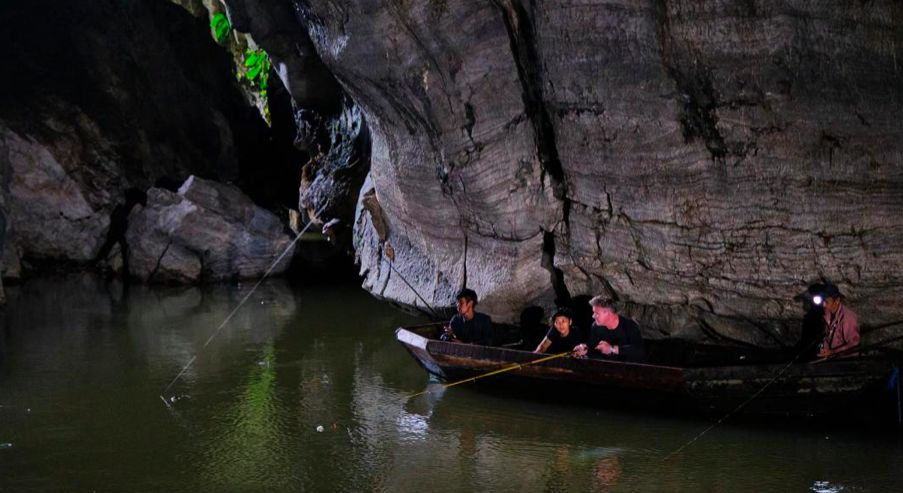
841, 323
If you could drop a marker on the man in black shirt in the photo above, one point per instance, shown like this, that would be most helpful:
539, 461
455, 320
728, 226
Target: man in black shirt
468, 325
562, 336
611, 335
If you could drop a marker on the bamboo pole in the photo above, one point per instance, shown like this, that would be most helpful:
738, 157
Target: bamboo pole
496, 372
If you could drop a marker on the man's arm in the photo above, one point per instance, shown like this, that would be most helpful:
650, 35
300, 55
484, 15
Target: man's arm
594, 337
543, 345
633, 350
449, 330
849, 328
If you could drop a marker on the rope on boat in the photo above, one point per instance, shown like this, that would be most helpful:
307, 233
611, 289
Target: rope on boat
234, 310
515, 366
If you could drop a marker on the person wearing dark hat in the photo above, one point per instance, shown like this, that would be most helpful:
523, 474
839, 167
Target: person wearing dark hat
612, 336
841, 324
469, 325
562, 336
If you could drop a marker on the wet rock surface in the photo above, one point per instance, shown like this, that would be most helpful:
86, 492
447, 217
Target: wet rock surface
701, 161
207, 231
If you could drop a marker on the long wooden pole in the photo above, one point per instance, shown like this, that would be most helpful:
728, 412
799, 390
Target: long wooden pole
496, 372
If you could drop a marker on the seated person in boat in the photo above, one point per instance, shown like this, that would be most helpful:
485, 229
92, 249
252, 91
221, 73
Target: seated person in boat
563, 335
469, 325
841, 324
612, 336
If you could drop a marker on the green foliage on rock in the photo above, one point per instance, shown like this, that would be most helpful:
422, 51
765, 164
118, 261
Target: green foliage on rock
257, 72
253, 66
220, 26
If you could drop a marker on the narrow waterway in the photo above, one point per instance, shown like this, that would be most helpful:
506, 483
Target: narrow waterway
307, 390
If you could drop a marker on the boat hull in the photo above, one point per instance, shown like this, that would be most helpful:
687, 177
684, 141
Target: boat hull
801, 389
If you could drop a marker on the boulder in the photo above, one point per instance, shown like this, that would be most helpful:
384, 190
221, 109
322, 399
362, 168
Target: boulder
207, 231
49, 214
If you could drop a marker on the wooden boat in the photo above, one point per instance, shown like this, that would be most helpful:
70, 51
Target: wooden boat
678, 375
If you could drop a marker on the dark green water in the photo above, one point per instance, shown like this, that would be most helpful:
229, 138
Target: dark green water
82, 365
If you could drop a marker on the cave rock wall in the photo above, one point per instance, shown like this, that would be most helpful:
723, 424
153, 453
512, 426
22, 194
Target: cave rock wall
102, 98
702, 161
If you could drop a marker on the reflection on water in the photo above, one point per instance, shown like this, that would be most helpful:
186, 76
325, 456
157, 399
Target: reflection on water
306, 390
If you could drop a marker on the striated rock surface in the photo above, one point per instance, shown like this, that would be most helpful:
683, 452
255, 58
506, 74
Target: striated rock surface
702, 161
207, 231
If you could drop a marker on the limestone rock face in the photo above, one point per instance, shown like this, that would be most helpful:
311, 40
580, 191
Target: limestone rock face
207, 231
331, 181
107, 97
328, 126
702, 161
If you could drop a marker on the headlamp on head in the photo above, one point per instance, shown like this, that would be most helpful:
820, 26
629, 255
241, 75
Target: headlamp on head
817, 300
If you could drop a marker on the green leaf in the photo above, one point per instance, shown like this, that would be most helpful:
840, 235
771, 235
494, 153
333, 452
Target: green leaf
219, 23
254, 72
251, 59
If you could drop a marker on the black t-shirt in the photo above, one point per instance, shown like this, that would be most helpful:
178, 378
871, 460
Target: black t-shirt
477, 330
626, 336
561, 344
